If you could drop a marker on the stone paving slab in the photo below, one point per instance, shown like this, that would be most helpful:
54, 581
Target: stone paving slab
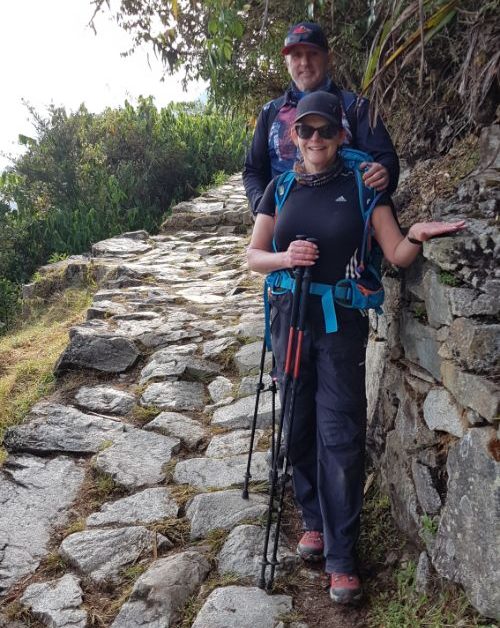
102, 554
159, 595
242, 607
125, 460
57, 603
223, 509
53, 427
30, 485
174, 395
240, 413
145, 507
204, 473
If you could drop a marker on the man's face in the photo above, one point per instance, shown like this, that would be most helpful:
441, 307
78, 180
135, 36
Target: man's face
307, 66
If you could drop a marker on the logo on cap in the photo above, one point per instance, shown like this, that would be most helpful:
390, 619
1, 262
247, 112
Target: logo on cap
301, 29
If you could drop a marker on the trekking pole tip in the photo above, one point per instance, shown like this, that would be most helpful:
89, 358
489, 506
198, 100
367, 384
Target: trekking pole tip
244, 493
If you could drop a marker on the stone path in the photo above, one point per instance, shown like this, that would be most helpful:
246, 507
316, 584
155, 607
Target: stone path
170, 349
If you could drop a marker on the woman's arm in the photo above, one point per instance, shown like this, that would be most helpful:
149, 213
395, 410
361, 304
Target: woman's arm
261, 257
397, 248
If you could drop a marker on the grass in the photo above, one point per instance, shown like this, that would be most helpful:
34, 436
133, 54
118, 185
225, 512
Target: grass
28, 355
403, 607
396, 603
448, 279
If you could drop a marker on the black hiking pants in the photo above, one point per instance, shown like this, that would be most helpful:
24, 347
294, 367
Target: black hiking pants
327, 449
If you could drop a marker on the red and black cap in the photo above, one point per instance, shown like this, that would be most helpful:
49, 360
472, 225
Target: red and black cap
305, 34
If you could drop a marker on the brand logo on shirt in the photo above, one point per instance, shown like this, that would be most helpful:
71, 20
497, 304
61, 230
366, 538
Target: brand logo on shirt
341, 199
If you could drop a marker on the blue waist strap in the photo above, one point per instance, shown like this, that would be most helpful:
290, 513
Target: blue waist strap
281, 281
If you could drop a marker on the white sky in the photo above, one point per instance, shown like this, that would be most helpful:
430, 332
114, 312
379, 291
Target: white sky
48, 54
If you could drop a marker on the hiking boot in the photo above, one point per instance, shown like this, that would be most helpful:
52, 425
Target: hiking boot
345, 588
311, 546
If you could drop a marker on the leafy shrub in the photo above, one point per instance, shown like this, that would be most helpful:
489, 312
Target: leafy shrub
86, 177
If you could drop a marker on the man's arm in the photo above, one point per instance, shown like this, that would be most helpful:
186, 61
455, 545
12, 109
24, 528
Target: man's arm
257, 169
378, 143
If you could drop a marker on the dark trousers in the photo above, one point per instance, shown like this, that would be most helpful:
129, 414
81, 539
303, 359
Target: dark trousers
327, 449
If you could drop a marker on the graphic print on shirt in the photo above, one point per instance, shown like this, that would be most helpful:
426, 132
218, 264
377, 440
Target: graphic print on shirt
282, 150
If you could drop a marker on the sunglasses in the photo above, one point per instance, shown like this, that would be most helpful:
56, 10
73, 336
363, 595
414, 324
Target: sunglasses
305, 131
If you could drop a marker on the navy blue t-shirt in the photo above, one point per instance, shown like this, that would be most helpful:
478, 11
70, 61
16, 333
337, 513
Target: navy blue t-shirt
331, 214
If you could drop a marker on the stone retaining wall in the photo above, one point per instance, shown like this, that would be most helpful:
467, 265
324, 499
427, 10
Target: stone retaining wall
432, 384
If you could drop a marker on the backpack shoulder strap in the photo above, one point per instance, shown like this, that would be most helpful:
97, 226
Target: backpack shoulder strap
282, 187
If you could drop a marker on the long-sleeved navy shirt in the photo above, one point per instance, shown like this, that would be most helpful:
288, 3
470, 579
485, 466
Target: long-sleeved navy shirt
273, 152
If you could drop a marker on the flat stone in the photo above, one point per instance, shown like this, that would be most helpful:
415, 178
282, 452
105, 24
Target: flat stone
56, 603
468, 302
160, 594
119, 246
127, 463
248, 384
213, 348
189, 431
166, 364
223, 510
143, 508
240, 414
109, 354
466, 545
52, 427
242, 607
436, 300
441, 412
206, 473
472, 391
247, 359
35, 494
231, 444
474, 346
174, 395
428, 497
105, 399
421, 344
242, 552
423, 575
102, 554
220, 388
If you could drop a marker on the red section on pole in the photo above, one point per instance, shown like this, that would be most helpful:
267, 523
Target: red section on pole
298, 353
289, 351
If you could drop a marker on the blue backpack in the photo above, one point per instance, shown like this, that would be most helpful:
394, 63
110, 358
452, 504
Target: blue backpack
363, 292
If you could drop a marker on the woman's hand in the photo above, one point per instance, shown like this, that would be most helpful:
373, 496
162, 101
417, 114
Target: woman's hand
423, 231
301, 253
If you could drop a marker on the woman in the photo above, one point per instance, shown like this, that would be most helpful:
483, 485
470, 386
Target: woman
328, 439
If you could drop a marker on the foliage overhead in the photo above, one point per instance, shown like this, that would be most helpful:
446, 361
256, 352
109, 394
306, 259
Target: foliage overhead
439, 58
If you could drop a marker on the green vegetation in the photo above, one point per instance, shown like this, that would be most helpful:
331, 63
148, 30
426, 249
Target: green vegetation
28, 355
404, 607
86, 177
448, 279
439, 49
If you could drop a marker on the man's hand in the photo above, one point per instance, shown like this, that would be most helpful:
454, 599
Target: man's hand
376, 175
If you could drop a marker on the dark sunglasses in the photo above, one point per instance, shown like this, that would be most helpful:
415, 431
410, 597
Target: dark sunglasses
305, 131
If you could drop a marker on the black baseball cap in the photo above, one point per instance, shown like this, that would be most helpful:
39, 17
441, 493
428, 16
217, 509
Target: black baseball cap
305, 34
322, 104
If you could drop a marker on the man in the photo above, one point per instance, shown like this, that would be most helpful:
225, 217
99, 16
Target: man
272, 151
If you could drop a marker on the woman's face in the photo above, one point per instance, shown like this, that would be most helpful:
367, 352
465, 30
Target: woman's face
318, 153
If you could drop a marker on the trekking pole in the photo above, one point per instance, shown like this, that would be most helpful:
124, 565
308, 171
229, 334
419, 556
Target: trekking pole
259, 389
306, 282
298, 272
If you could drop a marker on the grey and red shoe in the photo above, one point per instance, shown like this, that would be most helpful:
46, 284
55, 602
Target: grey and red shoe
345, 588
310, 547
